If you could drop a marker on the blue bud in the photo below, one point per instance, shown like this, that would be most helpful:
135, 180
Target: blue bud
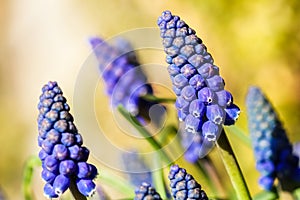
51, 163
49, 191
61, 126
53, 136
61, 184
180, 81
197, 82
232, 114
188, 93
211, 131
68, 139
215, 114
192, 124
215, 83
208, 70
225, 98
197, 108
47, 146
86, 187
60, 151
48, 176
207, 96
181, 104
188, 70
67, 167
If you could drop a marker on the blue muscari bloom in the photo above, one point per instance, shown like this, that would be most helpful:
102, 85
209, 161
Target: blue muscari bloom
272, 149
136, 168
145, 192
198, 86
62, 154
184, 186
125, 82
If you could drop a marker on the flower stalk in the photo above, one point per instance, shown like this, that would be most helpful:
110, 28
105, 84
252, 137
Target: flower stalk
232, 167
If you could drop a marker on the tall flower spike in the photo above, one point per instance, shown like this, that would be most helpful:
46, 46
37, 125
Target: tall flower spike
272, 149
202, 103
63, 157
125, 81
184, 186
145, 192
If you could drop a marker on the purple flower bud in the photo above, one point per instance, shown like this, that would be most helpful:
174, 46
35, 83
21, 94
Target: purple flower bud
197, 108
86, 170
180, 81
51, 163
181, 104
48, 176
49, 191
211, 131
173, 70
208, 70
47, 146
86, 187
43, 154
60, 151
188, 93
197, 82
232, 114
53, 136
67, 167
215, 83
61, 126
215, 114
207, 96
192, 124
224, 98
188, 70
61, 184
68, 139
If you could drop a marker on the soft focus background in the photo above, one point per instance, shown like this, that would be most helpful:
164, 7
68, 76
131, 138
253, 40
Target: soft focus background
252, 43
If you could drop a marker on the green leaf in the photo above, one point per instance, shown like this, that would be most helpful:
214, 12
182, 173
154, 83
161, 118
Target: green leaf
266, 195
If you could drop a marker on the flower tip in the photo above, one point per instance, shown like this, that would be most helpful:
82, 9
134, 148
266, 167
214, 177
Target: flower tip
95, 41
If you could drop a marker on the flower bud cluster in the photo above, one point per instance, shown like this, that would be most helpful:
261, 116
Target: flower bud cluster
184, 186
145, 192
125, 81
202, 103
272, 149
63, 157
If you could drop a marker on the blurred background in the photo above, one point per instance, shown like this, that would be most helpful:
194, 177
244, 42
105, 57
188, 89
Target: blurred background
252, 43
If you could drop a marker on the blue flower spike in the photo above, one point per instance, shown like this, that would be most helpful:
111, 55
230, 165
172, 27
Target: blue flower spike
62, 154
145, 192
184, 186
203, 104
272, 150
125, 82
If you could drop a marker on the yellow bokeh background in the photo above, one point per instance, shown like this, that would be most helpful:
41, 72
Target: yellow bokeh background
253, 43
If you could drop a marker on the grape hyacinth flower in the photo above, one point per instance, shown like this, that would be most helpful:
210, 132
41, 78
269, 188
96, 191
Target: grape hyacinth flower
184, 186
126, 83
145, 192
202, 103
136, 168
272, 149
63, 157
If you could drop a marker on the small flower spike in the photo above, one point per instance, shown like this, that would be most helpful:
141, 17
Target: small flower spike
146, 192
272, 149
202, 103
63, 157
125, 82
184, 186
136, 168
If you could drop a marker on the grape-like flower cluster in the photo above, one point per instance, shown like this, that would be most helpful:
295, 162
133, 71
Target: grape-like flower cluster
202, 103
145, 192
272, 149
125, 81
63, 157
184, 186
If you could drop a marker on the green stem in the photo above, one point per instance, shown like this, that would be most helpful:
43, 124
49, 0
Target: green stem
153, 98
116, 182
232, 167
74, 190
158, 178
31, 163
154, 143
